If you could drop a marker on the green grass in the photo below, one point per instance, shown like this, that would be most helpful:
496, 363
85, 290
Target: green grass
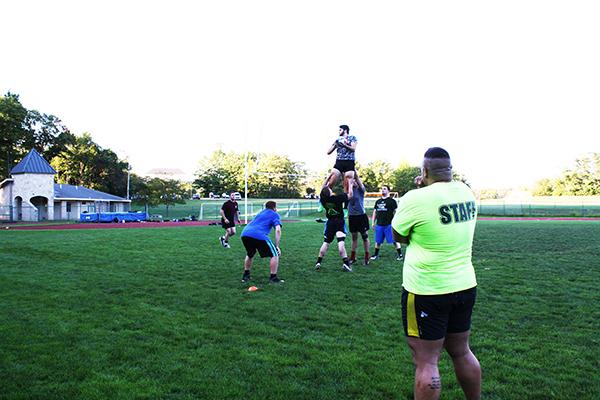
160, 313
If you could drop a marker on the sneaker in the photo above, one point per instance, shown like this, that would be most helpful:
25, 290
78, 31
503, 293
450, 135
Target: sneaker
366, 262
226, 245
276, 279
352, 261
400, 257
346, 268
222, 240
374, 257
245, 278
318, 266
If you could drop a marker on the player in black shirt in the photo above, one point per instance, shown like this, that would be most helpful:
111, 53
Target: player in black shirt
335, 227
230, 214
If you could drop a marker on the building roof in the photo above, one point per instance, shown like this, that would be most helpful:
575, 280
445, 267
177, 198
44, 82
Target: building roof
71, 192
6, 182
33, 163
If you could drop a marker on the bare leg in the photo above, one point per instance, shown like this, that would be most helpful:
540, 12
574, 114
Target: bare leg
342, 247
334, 176
354, 241
323, 249
366, 244
426, 354
466, 365
274, 264
247, 263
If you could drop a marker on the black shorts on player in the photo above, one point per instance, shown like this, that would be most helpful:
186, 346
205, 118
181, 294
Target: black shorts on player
358, 223
344, 165
431, 317
231, 224
332, 226
265, 248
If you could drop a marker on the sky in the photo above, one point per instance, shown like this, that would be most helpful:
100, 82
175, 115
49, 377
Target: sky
511, 89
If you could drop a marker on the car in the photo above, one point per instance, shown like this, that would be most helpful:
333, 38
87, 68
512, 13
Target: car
311, 196
236, 196
195, 196
155, 218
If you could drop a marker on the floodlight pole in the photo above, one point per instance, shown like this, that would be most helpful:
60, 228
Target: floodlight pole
128, 169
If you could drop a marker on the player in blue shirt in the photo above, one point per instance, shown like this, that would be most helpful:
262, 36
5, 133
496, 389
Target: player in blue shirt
255, 237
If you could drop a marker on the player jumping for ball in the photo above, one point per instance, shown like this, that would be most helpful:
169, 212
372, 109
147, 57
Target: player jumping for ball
345, 159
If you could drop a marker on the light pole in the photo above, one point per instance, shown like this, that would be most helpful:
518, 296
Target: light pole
128, 169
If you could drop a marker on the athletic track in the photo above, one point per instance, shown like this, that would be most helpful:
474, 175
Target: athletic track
170, 224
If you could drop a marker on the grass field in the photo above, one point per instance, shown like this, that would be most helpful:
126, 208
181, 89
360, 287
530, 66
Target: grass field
161, 313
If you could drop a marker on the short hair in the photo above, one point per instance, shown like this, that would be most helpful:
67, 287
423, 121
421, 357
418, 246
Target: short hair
385, 186
345, 127
270, 205
436, 152
325, 192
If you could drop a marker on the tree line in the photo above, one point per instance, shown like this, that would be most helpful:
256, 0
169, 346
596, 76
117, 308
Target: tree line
78, 160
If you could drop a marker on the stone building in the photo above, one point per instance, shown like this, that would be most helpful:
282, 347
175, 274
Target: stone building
30, 194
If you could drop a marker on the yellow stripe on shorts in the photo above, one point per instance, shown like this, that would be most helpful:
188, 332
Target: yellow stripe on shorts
411, 316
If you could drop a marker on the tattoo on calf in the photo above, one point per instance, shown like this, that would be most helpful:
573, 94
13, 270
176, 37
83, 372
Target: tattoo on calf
436, 383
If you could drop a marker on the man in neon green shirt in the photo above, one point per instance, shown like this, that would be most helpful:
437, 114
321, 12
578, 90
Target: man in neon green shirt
437, 222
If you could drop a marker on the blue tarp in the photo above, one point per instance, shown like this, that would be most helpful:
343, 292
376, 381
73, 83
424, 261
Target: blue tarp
131, 216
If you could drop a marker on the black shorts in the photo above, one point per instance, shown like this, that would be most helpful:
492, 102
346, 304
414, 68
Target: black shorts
358, 223
231, 224
431, 317
344, 165
332, 226
265, 248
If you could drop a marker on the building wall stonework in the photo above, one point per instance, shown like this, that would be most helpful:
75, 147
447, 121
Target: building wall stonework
28, 186
32, 185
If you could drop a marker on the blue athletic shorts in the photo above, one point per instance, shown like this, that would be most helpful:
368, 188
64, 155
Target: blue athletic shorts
383, 232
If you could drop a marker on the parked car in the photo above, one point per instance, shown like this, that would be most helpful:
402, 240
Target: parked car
155, 218
236, 196
195, 196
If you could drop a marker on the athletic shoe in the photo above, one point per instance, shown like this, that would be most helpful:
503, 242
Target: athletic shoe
222, 240
374, 257
318, 266
227, 246
276, 279
366, 262
245, 278
346, 268
400, 257
352, 261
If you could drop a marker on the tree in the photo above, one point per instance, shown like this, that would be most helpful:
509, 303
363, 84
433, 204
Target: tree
544, 187
403, 178
168, 191
375, 174
12, 132
85, 163
269, 175
22, 129
582, 180
219, 173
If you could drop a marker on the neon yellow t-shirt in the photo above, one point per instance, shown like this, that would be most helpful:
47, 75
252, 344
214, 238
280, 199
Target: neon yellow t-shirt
439, 220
